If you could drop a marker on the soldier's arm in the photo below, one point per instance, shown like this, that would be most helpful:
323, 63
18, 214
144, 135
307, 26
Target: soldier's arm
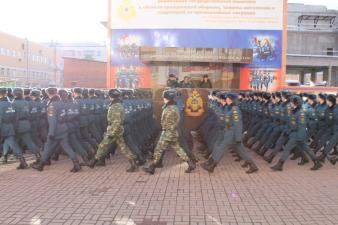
238, 124
52, 119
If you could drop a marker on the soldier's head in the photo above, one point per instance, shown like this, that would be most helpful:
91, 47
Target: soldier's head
285, 96
98, 93
231, 98
26, 92
296, 102
63, 94
51, 92
322, 98
218, 96
35, 94
114, 94
311, 99
223, 97
18, 93
85, 93
266, 97
169, 96
9, 92
278, 96
304, 96
331, 100
3, 92
77, 92
91, 92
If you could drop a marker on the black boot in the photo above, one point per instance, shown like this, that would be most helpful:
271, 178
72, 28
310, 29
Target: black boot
262, 151
133, 166
92, 163
269, 158
76, 166
238, 159
85, 161
140, 160
192, 166
317, 165
211, 166
23, 164
255, 147
304, 160
38, 166
252, 167
206, 163
278, 166
150, 169
38, 159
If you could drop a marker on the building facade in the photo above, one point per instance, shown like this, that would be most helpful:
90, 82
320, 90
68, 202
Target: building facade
84, 73
312, 49
28, 64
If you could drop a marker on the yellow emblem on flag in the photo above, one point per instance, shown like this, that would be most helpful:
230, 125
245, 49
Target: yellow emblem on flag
194, 104
126, 10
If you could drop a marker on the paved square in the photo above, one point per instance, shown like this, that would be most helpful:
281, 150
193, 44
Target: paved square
109, 195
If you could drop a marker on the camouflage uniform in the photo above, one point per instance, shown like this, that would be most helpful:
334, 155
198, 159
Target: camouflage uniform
169, 136
114, 133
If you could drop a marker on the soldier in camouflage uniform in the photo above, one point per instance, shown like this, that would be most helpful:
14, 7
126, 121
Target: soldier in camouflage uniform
169, 136
114, 133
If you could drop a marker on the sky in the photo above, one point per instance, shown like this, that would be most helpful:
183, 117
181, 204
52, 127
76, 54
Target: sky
68, 20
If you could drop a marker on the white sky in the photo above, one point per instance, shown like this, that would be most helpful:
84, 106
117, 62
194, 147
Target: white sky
68, 20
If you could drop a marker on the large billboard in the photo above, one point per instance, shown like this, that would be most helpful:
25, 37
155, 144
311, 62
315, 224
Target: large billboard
218, 24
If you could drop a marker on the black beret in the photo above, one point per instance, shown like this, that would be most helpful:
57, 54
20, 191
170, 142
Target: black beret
224, 95
322, 96
296, 100
278, 95
114, 93
312, 97
26, 91
91, 91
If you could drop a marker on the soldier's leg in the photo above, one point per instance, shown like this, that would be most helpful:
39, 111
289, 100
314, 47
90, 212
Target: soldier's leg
49, 148
85, 133
161, 145
27, 140
333, 140
11, 143
103, 148
64, 143
77, 147
179, 151
124, 149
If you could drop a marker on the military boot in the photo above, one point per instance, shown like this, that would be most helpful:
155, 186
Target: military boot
101, 162
270, 157
133, 166
262, 151
192, 166
38, 159
251, 142
150, 169
252, 167
159, 164
76, 166
210, 166
317, 165
92, 163
278, 166
23, 164
38, 166
238, 159
206, 163
255, 146
140, 160
322, 157
245, 165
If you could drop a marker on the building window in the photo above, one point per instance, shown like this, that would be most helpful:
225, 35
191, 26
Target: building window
2, 51
8, 52
13, 53
329, 51
2, 71
8, 72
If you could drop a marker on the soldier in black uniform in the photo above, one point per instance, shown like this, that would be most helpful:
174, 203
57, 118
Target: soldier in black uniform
7, 129
57, 132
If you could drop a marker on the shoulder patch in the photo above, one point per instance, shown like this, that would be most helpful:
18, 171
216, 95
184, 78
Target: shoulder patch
50, 111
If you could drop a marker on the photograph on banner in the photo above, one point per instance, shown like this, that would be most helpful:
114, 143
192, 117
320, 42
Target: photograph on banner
260, 79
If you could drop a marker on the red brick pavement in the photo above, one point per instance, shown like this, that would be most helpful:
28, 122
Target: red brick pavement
108, 195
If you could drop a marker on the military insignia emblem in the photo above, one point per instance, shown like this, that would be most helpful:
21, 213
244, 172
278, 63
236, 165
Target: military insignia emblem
236, 118
302, 118
50, 111
126, 10
194, 105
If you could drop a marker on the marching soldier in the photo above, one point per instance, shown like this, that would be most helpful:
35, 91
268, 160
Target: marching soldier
114, 133
169, 136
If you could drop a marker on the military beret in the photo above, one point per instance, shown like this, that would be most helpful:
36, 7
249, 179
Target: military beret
331, 98
267, 96
286, 94
52, 90
114, 93
98, 92
3, 90
295, 99
85, 91
169, 94
35, 93
77, 90
223, 95
91, 91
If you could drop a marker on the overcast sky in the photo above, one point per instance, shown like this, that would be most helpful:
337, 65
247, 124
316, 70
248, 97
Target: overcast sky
68, 20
